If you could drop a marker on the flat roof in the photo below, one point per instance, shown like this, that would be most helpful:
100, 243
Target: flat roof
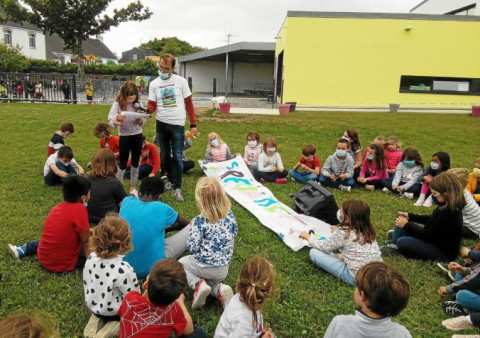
240, 51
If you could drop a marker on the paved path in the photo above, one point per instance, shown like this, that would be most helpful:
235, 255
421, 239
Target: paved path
266, 111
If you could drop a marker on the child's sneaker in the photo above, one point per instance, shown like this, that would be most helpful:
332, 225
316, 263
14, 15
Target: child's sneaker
202, 290
345, 188
134, 192
17, 252
224, 294
93, 326
110, 329
177, 195
452, 308
428, 202
281, 180
408, 195
389, 250
370, 187
457, 323
168, 186
420, 201
386, 190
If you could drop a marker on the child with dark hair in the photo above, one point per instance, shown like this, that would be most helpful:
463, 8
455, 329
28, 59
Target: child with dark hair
58, 139
149, 220
407, 175
374, 168
440, 163
337, 171
107, 140
63, 244
382, 292
309, 163
60, 165
161, 309
354, 149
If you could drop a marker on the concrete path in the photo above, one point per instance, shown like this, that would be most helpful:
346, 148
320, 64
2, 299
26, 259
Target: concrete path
266, 111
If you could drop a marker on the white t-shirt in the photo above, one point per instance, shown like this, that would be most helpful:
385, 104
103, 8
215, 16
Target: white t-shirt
471, 213
170, 97
236, 321
53, 159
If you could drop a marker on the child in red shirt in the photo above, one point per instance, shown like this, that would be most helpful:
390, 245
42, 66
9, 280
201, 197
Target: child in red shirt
63, 244
309, 163
107, 140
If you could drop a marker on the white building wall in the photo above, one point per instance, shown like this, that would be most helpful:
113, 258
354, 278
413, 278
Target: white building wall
446, 6
20, 36
246, 75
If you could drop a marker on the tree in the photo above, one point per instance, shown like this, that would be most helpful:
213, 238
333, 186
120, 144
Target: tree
73, 20
174, 46
11, 59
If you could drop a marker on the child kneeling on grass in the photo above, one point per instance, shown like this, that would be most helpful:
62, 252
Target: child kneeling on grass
381, 293
161, 308
106, 274
63, 244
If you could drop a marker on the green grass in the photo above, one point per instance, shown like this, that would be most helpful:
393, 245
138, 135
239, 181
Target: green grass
308, 298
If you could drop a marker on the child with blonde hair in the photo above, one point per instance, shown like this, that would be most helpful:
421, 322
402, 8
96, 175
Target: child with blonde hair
393, 155
253, 150
217, 149
474, 181
270, 166
243, 316
106, 277
211, 242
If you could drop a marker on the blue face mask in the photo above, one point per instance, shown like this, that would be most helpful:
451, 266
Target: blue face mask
435, 200
369, 157
409, 163
214, 143
341, 153
271, 150
65, 163
435, 165
163, 76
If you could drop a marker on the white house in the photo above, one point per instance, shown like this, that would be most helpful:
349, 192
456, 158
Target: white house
29, 37
456, 7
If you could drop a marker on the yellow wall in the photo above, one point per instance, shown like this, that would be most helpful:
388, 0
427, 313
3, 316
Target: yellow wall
358, 61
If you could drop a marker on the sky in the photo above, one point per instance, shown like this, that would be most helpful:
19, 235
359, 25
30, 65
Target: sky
206, 23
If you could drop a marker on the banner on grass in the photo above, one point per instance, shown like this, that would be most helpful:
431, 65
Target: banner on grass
239, 184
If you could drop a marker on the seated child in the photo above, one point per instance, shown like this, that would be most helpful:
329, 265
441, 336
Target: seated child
379, 141
20, 325
211, 241
382, 292
407, 175
106, 274
440, 163
374, 168
393, 155
149, 220
354, 150
354, 238
270, 166
337, 171
107, 140
58, 138
471, 210
309, 163
60, 165
253, 149
160, 310
243, 315
107, 192
63, 244
217, 150
149, 161
474, 181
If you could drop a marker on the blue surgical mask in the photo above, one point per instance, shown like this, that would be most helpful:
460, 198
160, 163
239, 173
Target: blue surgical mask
341, 153
163, 76
435, 165
271, 150
409, 163
214, 142
370, 157
435, 200
339, 215
66, 164
252, 144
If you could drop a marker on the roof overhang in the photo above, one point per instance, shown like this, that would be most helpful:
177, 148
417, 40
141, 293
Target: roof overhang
237, 52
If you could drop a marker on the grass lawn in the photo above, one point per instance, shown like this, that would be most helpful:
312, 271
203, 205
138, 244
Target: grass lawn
308, 298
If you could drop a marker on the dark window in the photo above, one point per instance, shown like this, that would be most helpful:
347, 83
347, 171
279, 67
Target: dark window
439, 85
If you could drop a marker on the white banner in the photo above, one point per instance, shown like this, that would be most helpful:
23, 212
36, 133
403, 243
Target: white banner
239, 183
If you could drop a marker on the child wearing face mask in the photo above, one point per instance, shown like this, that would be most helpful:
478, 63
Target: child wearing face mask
337, 172
374, 168
393, 155
217, 150
440, 163
408, 172
253, 149
270, 166
354, 149
473, 185
309, 163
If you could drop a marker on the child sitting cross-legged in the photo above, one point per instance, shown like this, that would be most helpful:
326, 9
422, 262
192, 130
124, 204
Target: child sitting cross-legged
106, 277
160, 310
337, 171
308, 163
382, 292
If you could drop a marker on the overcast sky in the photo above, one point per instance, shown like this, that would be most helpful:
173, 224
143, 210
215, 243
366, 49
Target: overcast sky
206, 23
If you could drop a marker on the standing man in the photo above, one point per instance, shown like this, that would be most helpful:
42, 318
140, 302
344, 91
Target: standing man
171, 97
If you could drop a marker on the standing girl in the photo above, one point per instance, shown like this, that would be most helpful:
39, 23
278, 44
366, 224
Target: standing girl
270, 166
253, 149
217, 150
243, 316
106, 277
106, 192
355, 150
407, 175
211, 242
374, 168
440, 163
439, 238
354, 238
129, 130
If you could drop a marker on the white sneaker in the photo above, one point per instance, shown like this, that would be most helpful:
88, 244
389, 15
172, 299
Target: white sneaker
168, 186
345, 188
202, 290
408, 195
177, 195
386, 190
109, 330
224, 294
428, 202
369, 187
134, 193
93, 326
419, 202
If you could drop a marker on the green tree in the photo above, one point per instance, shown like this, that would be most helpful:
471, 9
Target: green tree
173, 45
11, 59
73, 20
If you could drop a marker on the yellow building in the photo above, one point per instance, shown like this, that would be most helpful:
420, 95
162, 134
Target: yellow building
327, 59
